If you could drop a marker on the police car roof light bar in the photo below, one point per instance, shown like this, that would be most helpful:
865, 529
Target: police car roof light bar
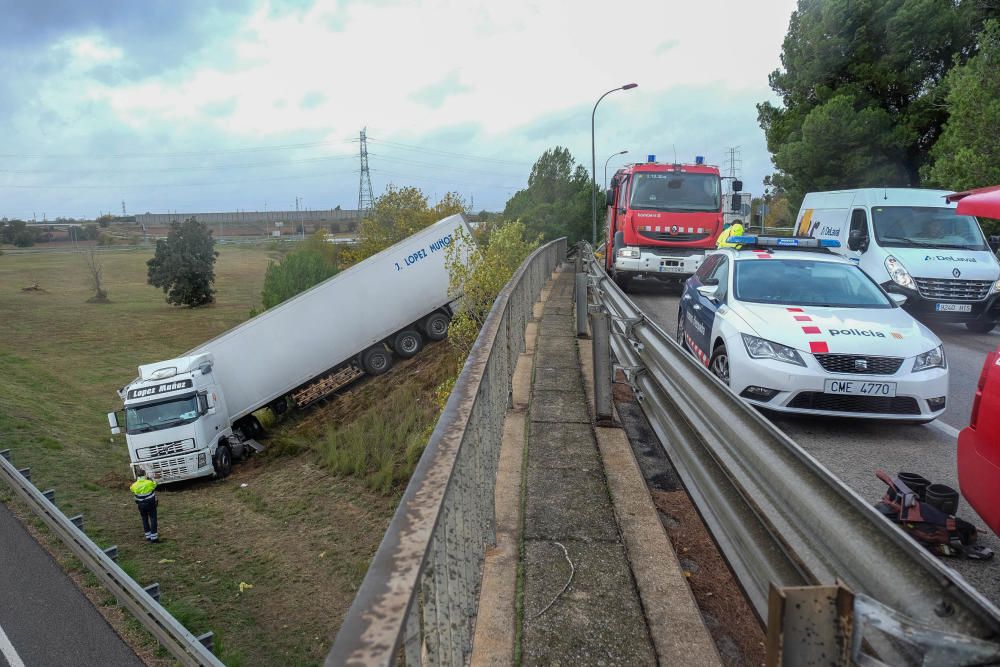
799, 243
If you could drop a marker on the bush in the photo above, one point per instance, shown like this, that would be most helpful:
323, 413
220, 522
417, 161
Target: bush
309, 264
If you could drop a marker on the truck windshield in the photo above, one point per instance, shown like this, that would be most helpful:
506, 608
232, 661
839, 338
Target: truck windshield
926, 227
675, 191
803, 282
156, 416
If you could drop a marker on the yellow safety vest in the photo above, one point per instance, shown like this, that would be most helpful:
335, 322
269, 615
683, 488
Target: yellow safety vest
732, 230
142, 486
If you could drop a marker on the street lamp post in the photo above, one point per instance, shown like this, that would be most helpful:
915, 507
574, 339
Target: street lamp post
606, 166
593, 160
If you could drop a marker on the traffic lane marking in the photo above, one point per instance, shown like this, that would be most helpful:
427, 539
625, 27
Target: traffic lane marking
8, 651
950, 431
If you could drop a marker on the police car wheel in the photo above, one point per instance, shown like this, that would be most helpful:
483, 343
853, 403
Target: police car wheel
719, 365
680, 330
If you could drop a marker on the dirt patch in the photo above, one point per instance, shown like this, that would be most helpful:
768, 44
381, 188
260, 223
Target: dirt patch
728, 616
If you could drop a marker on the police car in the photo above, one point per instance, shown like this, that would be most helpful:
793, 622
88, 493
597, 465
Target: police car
792, 327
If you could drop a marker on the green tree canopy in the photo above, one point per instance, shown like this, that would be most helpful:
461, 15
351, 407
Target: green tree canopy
184, 264
397, 214
557, 201
882, 61
968, 153
312, 262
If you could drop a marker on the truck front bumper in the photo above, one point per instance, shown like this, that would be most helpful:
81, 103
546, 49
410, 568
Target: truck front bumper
177, 468
663, 267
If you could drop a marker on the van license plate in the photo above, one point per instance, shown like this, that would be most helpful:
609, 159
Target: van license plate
860, 388
953, 307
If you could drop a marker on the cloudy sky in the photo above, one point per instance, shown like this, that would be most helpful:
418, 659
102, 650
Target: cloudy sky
172, 105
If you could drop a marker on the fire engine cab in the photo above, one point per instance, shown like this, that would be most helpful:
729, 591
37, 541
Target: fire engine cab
661, 219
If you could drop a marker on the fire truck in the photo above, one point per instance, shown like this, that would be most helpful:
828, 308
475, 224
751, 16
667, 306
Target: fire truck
661, 219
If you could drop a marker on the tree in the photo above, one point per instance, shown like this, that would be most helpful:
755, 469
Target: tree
397, 214
96, 271
311, 263
184, 264
968, 153
882, 60
557, 201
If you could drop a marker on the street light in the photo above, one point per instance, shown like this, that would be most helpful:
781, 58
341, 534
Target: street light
593, 160
606, 166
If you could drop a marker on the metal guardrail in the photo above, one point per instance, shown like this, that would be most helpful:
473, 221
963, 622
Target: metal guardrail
417, 603
168, 631
776, 513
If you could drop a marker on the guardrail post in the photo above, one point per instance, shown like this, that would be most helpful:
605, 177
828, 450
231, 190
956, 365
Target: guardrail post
153, 590
207, 640
50, 495
579, 257
25, 473
112, 552
600, 326
5, 453
581, 305
77, 521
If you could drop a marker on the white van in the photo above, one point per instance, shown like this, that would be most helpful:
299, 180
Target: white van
912, 242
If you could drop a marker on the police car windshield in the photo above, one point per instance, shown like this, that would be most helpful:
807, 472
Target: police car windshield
675, 191
926, 227
806, 282
156, 416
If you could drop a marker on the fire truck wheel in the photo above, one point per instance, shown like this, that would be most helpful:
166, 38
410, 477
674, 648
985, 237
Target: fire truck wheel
623, 281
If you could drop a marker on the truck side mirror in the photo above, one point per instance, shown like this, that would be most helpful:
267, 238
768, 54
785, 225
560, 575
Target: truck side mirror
994, 242
609, 198
113, 423
736, 204
737, 186
857, 240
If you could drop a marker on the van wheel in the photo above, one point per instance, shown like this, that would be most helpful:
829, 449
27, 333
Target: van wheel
436, 326
407, 343
376, 360
980, 326
222, 461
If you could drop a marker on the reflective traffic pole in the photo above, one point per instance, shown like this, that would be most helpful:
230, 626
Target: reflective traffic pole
581, 305
600, 327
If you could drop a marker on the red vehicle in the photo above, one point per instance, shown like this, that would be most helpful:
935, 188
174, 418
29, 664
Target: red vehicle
661, 219
979, 442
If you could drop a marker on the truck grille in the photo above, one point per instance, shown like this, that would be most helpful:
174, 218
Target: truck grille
167, 468
884, 405
667, 236
165, 449
949, 289
848, 363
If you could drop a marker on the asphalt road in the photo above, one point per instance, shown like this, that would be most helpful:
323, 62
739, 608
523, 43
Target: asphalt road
44, 618
853, 449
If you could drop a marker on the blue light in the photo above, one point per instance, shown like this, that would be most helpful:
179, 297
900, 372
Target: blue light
650, 158
829, 243
742, 240
699, 159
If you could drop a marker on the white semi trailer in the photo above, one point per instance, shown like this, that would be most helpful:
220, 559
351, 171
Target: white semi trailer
191, 416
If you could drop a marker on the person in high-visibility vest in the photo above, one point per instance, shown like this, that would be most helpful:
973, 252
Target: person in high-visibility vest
735, 229
144, 490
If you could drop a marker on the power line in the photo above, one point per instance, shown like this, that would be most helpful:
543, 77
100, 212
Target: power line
125, 186
217, 151
436, 151
155, 170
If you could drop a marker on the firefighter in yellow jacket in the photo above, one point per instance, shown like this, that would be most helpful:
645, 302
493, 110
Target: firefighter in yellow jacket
144, 490
735, 229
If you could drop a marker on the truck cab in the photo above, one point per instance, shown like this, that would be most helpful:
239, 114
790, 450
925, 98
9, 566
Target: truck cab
661, 219
176, 423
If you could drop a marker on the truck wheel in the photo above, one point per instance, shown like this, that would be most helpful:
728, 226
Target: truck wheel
278, 406
407, 343
623, 281
436, 326
376, 360
222, 461
250, 427
980, 326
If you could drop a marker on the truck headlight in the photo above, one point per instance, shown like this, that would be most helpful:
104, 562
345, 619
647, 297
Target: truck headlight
932, 359
898, 272
758, 348
629, 253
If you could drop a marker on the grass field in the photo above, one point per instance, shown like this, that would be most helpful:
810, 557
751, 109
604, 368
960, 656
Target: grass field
284, 522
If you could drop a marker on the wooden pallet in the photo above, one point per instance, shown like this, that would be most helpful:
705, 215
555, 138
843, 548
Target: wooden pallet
325, 385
